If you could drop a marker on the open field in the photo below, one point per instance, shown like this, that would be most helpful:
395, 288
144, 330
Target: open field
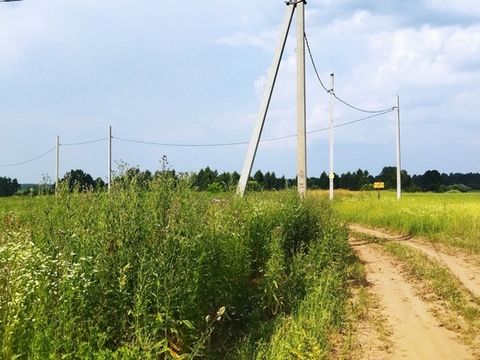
17, 204
422, 264
450, 218
171, 273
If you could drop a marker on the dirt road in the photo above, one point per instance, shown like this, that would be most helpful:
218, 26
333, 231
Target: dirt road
416, 333
464, 270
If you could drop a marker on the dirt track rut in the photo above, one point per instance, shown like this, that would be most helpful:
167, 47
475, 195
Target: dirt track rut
416, 333
465, 271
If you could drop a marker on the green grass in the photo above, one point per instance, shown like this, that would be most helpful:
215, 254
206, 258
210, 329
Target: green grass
450, 218
170, 273
17, 204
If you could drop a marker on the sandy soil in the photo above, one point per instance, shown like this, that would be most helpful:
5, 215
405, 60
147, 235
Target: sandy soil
460, 265
415, 332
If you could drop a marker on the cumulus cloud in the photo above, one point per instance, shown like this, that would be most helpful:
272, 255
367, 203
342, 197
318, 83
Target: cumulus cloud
435, 69
461, 7
265, 40
156, 66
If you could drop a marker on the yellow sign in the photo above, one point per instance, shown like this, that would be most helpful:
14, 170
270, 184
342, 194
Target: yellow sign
379, 185
332, 176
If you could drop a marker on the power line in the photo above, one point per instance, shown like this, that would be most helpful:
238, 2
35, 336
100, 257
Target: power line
352, 121
85, 142
178, 145
314, 65
30, 160
50, 150
331, 90
362, 110
195, 145
246, 142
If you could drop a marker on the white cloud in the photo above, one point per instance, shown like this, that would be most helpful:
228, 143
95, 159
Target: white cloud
461, 7
426, 57
265, 40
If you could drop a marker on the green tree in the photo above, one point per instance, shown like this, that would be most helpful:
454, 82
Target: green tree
324, 181
8, 187
259, 178
78, 180
205, 177
100, 184
430, 180
388, 176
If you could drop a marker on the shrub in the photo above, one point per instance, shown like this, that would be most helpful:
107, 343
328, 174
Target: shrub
158, 273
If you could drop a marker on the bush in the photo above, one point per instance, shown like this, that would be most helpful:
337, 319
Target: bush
159, 273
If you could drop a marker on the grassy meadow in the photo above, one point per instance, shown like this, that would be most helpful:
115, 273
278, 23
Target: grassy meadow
171, 273
449, 218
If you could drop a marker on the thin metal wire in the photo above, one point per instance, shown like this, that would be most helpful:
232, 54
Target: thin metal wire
85, 142
352, 121
312, 60
362, 110
314, 65
246, 142
177, 145
50, 150
193, 145
30, 160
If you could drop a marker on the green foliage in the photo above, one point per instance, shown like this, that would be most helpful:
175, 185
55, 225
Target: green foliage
215, 187
167, 272
8, 187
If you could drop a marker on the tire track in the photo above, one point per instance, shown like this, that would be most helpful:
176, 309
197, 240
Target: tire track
416, 333
465, 271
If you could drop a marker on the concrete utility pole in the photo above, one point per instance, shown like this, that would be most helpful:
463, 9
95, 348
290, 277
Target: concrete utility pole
109, 157
301, 106
399, 157
301, 103
57, 165
262, 115
332, 101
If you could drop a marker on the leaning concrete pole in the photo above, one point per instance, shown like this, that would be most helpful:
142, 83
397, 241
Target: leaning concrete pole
272, 78
399, 156
301, 103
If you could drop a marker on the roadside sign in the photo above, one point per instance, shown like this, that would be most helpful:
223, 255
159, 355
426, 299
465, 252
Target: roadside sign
379, 185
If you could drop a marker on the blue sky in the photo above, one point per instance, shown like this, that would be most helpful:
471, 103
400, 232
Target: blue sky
193, 72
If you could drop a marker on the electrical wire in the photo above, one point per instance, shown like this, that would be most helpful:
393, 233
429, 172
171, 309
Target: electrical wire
30, 160
50, 150
177, 145
85, 142
247, 142
362, 110
314, 65
331, 91
195, 145
352, 121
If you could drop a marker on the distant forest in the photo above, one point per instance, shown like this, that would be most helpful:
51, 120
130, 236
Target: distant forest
211, 180
431, 180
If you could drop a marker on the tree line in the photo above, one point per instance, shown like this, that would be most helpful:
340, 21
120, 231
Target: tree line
211, 180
